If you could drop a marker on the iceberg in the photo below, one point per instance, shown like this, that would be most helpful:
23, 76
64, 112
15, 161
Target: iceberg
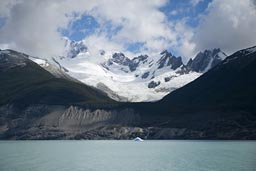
138, 139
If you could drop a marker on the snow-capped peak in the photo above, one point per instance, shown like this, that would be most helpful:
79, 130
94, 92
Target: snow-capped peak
141, 78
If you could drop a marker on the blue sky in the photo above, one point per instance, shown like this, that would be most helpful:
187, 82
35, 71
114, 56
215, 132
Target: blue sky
134, 27
179, 9
80, 28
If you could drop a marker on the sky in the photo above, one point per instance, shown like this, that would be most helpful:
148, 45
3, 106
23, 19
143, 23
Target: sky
184, 27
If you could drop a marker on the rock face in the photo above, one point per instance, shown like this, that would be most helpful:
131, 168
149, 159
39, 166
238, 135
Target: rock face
168, 59
206, 60
153, 84
201, 63
75, 117
60, 122
122, 60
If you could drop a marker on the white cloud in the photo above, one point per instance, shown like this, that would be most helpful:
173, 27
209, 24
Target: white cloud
5, 6
32, 26
185, 46
141, 21
229, 24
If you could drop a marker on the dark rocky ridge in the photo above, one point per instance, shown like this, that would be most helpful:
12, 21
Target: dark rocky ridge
121, 59
169, 60
201, 63
166, 60
153, 84
203, 59
231, 82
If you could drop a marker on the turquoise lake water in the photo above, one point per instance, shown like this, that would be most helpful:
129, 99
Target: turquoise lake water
127, 156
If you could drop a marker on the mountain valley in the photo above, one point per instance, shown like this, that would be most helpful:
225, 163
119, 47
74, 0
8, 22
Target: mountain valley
41, 101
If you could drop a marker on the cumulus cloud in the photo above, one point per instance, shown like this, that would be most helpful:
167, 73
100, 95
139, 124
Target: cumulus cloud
140, 21
186, 46
33, 26
228, 24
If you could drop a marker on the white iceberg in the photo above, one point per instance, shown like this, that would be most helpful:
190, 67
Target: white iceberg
138, 139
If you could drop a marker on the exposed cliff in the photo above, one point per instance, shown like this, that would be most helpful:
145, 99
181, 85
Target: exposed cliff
60, 122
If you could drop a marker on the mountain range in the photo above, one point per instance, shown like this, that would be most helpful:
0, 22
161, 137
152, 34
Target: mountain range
47, 99
136, 79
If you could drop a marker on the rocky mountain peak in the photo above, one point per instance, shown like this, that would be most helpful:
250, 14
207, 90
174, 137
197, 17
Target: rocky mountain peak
121, 59
141, 58
206, 60
74, 48
168, 59
165, 53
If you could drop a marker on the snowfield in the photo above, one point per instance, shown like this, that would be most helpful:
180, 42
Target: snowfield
124, 84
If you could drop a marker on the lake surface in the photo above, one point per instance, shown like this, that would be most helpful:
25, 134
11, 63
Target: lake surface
128, 156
